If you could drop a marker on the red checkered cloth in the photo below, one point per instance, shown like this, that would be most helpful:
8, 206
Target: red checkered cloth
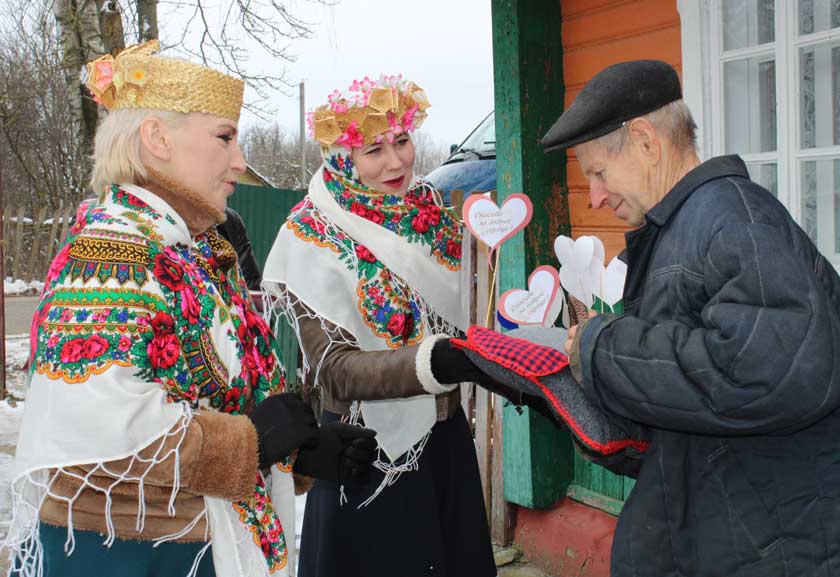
518, 355
542, 366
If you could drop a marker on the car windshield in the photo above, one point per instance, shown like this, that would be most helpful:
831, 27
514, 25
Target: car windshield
482, 140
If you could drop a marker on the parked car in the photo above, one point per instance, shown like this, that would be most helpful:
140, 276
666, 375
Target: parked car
471, 166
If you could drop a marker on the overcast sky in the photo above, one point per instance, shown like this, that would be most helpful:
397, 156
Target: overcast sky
444, 46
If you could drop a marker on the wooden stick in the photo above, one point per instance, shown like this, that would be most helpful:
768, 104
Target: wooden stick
601, 281
492, 290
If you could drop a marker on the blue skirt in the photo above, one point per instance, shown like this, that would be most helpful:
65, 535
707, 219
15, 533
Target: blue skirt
122, 559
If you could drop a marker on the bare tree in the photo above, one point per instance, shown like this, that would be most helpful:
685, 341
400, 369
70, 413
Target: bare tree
43, 157
80, 37
429, 153
47, 118
147, 20
274, 153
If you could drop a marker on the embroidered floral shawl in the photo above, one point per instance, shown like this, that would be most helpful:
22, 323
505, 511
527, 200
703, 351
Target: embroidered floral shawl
385, 269
140, 325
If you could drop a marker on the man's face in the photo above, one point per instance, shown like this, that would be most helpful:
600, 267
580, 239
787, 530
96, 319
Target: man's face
616, 180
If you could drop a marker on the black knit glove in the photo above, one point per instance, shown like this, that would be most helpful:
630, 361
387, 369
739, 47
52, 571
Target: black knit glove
451, 366
284, 423
343, 453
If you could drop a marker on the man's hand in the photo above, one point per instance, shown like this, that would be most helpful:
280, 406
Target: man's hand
571, 334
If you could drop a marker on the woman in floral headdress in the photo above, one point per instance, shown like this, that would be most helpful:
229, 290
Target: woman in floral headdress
135, 453
368, 270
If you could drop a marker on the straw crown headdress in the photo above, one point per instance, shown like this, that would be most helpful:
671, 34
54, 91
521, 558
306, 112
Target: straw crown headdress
369, 112
137, 78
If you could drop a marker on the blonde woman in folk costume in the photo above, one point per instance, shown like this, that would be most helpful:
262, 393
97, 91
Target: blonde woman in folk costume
368, 270
156, 438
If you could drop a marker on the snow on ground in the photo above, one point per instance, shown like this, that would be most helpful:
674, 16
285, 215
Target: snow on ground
17, 287
11, 411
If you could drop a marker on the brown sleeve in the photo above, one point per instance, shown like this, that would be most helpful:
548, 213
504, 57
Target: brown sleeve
218, 457
351, 374
574, 353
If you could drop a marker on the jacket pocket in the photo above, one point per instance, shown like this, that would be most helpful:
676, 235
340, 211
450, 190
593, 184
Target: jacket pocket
750, 522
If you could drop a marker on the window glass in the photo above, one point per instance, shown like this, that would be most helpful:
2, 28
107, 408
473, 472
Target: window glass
819, 102
821, 203
818, 15
750, 105
765, 174
835, 90
748, 23
483, 139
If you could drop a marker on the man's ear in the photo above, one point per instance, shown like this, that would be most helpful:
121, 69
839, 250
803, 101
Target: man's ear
156, 138
645, 140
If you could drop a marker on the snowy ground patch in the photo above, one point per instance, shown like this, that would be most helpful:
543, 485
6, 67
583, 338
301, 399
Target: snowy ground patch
17, 287
11, 411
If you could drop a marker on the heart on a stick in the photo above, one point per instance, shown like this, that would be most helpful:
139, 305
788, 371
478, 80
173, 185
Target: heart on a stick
612, 282
579, 259
493, 224
535, 306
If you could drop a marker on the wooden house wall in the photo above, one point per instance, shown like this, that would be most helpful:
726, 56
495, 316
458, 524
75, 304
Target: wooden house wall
597, 33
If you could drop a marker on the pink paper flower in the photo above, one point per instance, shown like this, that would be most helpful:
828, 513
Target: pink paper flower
104, 74
310, 123
408, 118
351, 138
337, 102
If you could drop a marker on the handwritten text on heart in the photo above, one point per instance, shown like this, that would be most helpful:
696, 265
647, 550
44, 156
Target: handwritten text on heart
492, 224
532, 306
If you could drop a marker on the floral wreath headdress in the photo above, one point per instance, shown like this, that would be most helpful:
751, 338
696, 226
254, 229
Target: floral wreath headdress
368, 112
137, 78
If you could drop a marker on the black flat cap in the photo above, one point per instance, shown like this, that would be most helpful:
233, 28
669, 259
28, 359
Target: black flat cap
618, 93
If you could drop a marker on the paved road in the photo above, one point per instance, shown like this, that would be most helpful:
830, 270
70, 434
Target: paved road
19, 311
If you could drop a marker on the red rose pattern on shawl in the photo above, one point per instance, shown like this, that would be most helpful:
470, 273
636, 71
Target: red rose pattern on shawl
386, 307
84, 331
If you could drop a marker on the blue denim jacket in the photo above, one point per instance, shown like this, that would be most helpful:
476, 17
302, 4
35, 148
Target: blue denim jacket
728, 352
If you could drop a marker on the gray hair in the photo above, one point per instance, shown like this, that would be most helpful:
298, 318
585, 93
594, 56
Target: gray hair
116, 149
674, 120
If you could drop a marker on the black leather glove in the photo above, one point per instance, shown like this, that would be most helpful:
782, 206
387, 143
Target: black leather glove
343, 453
284, 422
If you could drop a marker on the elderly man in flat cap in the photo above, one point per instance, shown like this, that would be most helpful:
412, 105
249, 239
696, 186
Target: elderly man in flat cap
728, 351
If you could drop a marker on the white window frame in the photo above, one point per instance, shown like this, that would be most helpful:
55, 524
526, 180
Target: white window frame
703, 59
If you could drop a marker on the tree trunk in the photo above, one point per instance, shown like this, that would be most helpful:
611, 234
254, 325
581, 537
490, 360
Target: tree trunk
81, 41
112, 28
147, 25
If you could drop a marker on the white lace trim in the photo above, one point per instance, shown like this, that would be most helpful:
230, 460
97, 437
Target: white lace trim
290, 309
31, 489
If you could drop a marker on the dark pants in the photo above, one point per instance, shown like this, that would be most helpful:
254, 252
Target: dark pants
122, 559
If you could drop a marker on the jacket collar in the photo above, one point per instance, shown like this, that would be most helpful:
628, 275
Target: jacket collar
167, 221
718, 167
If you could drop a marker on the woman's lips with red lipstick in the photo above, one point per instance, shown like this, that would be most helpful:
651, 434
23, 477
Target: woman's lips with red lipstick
395, 182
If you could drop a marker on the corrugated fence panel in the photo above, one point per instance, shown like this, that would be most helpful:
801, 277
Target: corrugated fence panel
264, 210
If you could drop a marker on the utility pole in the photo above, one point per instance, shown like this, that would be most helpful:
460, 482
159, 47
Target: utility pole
302, 150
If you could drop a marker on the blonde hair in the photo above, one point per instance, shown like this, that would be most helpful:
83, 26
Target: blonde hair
116, 149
